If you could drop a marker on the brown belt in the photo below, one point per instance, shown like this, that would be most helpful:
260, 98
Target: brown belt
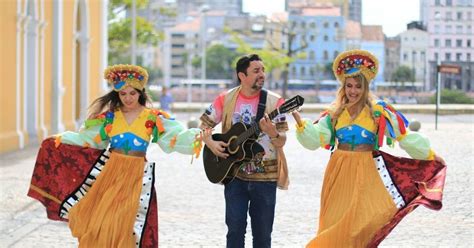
356, 148
129, 153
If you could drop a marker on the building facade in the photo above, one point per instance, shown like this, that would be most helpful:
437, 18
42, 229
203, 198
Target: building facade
413, 47
450, 30
57, 51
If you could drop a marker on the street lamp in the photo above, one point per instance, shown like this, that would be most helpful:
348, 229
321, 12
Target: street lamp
204, 8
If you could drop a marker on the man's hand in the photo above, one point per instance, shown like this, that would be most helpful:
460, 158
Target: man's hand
217, 147
268, 127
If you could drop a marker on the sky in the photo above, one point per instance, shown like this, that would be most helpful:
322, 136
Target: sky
392, 15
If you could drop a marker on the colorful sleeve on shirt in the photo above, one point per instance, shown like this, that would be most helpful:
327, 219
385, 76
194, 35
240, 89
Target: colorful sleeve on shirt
213, 114
318, 134
94, 133
393, 125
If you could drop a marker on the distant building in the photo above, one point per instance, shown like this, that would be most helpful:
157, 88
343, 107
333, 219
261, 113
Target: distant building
353, 35
373, 41
57, 51
392, 56
322, 30
350, 9
450, 29
413, 47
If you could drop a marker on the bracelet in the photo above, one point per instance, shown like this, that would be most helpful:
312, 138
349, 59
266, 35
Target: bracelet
276, 137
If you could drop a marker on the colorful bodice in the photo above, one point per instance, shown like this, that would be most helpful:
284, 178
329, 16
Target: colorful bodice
129, 137
361, 130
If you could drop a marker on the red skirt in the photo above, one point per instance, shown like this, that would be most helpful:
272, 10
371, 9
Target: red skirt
63, 175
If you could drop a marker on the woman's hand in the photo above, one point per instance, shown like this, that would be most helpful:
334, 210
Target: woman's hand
217, 147
439, 159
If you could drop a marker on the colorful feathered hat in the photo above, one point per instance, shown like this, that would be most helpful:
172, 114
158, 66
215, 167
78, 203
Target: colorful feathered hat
121, 76
353, 62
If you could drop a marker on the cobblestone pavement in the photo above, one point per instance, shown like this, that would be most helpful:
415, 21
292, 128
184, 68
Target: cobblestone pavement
191, 210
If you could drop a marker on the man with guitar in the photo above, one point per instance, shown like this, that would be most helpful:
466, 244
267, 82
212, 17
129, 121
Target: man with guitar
251, 181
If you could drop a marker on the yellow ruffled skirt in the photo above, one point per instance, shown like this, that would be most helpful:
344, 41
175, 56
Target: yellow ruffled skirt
354, 201
105, 216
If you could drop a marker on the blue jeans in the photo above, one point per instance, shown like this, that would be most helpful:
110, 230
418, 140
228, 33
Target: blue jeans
262, 198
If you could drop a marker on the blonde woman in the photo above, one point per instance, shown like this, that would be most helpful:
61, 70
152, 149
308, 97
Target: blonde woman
366, 192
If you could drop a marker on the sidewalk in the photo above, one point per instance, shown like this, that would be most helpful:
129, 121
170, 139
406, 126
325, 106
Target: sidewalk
191, 210
444, 109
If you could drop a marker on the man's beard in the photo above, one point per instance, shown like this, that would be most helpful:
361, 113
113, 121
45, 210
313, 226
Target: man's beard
255, 85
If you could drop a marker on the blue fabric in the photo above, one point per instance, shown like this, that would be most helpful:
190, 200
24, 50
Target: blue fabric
128, 142
262, 199
355, 135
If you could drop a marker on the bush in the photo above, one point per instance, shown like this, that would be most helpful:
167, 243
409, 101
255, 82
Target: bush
453, 96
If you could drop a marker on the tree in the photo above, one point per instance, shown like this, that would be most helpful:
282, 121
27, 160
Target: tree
403, 74
219, 61
120, 31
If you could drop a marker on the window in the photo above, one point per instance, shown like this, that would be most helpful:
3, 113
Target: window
469, 15
458, 56
325, 56
447, 43
468, 56
437, 2
458, 29
303, 24
458, 43
422, 56
449, 29
449, 15
177, 46
326, 38
336, 24
311, 55
312, 25
293, 70
437, 29
449, 2
447, 56
335, 54
303, 71
459, 15
413, 56
436, 56
468, 43
311, 38
436, 42
311, 71
326, 25
437, 15
405, 56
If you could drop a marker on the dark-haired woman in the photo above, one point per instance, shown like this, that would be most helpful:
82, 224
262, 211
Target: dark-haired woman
107, 195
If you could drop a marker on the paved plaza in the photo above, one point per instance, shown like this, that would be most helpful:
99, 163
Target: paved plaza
191, 210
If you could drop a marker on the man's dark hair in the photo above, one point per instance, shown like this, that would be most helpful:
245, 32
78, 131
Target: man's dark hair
244, 62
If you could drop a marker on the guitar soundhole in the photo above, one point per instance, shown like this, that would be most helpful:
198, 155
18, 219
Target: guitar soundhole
233, 146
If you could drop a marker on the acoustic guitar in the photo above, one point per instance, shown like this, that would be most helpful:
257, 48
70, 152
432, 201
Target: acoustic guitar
242, 146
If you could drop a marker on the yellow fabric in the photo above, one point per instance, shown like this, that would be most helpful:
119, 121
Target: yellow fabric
106, 214
354, 202
137, 127
363, 120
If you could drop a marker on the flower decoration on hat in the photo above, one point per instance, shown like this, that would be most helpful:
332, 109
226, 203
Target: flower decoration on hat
354, 62
121, 76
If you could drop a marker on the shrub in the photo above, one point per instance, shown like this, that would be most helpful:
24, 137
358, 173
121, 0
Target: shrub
453, 96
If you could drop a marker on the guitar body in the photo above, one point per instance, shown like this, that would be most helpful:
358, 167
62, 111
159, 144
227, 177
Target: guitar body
219, 170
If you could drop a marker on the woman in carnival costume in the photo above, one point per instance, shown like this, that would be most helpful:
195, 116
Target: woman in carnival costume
367, 192
108, 195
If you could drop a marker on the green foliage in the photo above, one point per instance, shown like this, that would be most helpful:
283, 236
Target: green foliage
120, 31
219, 62
403, 74
453, 96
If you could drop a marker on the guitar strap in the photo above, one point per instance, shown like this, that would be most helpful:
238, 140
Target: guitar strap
261, 105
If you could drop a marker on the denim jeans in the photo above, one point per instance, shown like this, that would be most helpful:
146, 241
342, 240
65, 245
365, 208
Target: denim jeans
257, 198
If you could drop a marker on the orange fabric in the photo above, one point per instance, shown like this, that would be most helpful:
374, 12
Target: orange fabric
104, 217
354, 201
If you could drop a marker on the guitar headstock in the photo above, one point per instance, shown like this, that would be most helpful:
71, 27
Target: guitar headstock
292, 104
